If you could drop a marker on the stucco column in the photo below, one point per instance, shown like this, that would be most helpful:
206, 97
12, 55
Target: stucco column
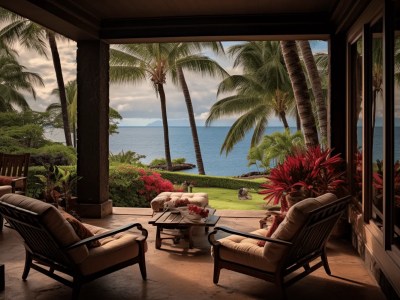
92, 131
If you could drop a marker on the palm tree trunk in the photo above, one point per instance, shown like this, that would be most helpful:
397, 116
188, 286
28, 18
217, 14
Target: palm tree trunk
192, 121
160, 89
61, 86
316, 86
299, 85
298, 123
282, 115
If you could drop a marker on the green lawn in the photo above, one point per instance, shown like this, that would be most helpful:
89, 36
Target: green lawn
220, 198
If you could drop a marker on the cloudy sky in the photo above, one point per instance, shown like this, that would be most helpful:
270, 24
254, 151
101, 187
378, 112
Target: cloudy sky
138, 104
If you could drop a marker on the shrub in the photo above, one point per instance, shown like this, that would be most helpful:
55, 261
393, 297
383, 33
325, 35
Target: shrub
128, 157
134, 187
56, 154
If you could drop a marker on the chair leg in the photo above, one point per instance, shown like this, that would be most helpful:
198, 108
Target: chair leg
217, 271
325, 262
76, 288
28, 262
1, 222
142, 266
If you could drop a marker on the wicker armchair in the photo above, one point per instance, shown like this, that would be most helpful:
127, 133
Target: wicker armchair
299, 240
52, 244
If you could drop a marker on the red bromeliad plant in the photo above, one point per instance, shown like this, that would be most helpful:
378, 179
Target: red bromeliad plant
308, 174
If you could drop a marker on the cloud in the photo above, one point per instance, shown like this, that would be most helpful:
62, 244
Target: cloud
132, 101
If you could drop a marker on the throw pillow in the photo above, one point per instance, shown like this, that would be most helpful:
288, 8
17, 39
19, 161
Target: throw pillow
81, 231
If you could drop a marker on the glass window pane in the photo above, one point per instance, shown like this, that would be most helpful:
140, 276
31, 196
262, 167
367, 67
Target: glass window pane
397, 128
377, 124
357, 108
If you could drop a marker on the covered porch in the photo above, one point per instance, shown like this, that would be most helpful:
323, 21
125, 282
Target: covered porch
176, 272
343, 23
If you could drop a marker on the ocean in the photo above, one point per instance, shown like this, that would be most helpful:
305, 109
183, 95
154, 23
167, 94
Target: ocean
149, 141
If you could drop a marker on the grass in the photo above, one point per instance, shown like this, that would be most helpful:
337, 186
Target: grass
220, 198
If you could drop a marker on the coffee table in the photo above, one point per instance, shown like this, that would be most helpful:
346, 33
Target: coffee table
174, 220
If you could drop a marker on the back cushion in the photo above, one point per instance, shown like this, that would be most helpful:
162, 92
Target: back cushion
295, 219
53, 220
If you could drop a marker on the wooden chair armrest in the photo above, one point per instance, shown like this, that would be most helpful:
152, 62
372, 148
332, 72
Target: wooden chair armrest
213, 241
110, 233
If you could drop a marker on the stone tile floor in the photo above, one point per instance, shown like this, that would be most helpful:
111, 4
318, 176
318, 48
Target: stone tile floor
176, 272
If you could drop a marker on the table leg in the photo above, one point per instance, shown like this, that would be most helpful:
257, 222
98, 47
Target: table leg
158, 238
190, 232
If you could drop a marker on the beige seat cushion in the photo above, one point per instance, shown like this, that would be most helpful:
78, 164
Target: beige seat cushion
245, 251
53, 220
200, 199
113, 250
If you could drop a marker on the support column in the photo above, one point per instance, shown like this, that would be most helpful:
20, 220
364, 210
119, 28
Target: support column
92, 133
337, 110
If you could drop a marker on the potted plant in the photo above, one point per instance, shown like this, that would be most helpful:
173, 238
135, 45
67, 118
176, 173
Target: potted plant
58, 184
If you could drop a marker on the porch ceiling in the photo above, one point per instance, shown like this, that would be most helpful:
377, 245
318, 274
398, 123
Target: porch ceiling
122, 21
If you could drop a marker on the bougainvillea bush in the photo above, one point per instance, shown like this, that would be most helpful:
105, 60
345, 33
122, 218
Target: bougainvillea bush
135, 187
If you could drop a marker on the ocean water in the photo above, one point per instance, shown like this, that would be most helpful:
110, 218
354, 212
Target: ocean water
149, 141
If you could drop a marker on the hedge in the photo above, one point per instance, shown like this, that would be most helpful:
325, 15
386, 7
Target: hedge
209, 181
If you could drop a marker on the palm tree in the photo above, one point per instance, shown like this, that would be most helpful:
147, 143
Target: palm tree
299, 85
71, 92
131, 63
33, 36
262, 91
187, 58
315, 80
135, 62
13, 79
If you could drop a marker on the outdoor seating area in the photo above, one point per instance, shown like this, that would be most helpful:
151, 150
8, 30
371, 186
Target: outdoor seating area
179, 272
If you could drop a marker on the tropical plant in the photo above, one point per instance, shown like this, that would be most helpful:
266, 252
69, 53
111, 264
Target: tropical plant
274, 148
14, 79
33, 37
262, 91
300, 89
128, 157
307, 173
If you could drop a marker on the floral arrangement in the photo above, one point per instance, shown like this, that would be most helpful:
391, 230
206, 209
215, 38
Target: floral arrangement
197, 210
169, 204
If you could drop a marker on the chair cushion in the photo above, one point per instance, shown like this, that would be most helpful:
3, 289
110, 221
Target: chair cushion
294, 221
7, 180
200, 199
53, 220
245, 251
114, 249
80, 229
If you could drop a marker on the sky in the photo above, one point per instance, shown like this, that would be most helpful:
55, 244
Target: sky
138, 104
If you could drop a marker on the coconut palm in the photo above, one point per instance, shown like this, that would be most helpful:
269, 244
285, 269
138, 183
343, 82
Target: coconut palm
300, 90
137, 62
71, 92
131, 63
315, 80
14, 79
261, 92
33, 37
188, 58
